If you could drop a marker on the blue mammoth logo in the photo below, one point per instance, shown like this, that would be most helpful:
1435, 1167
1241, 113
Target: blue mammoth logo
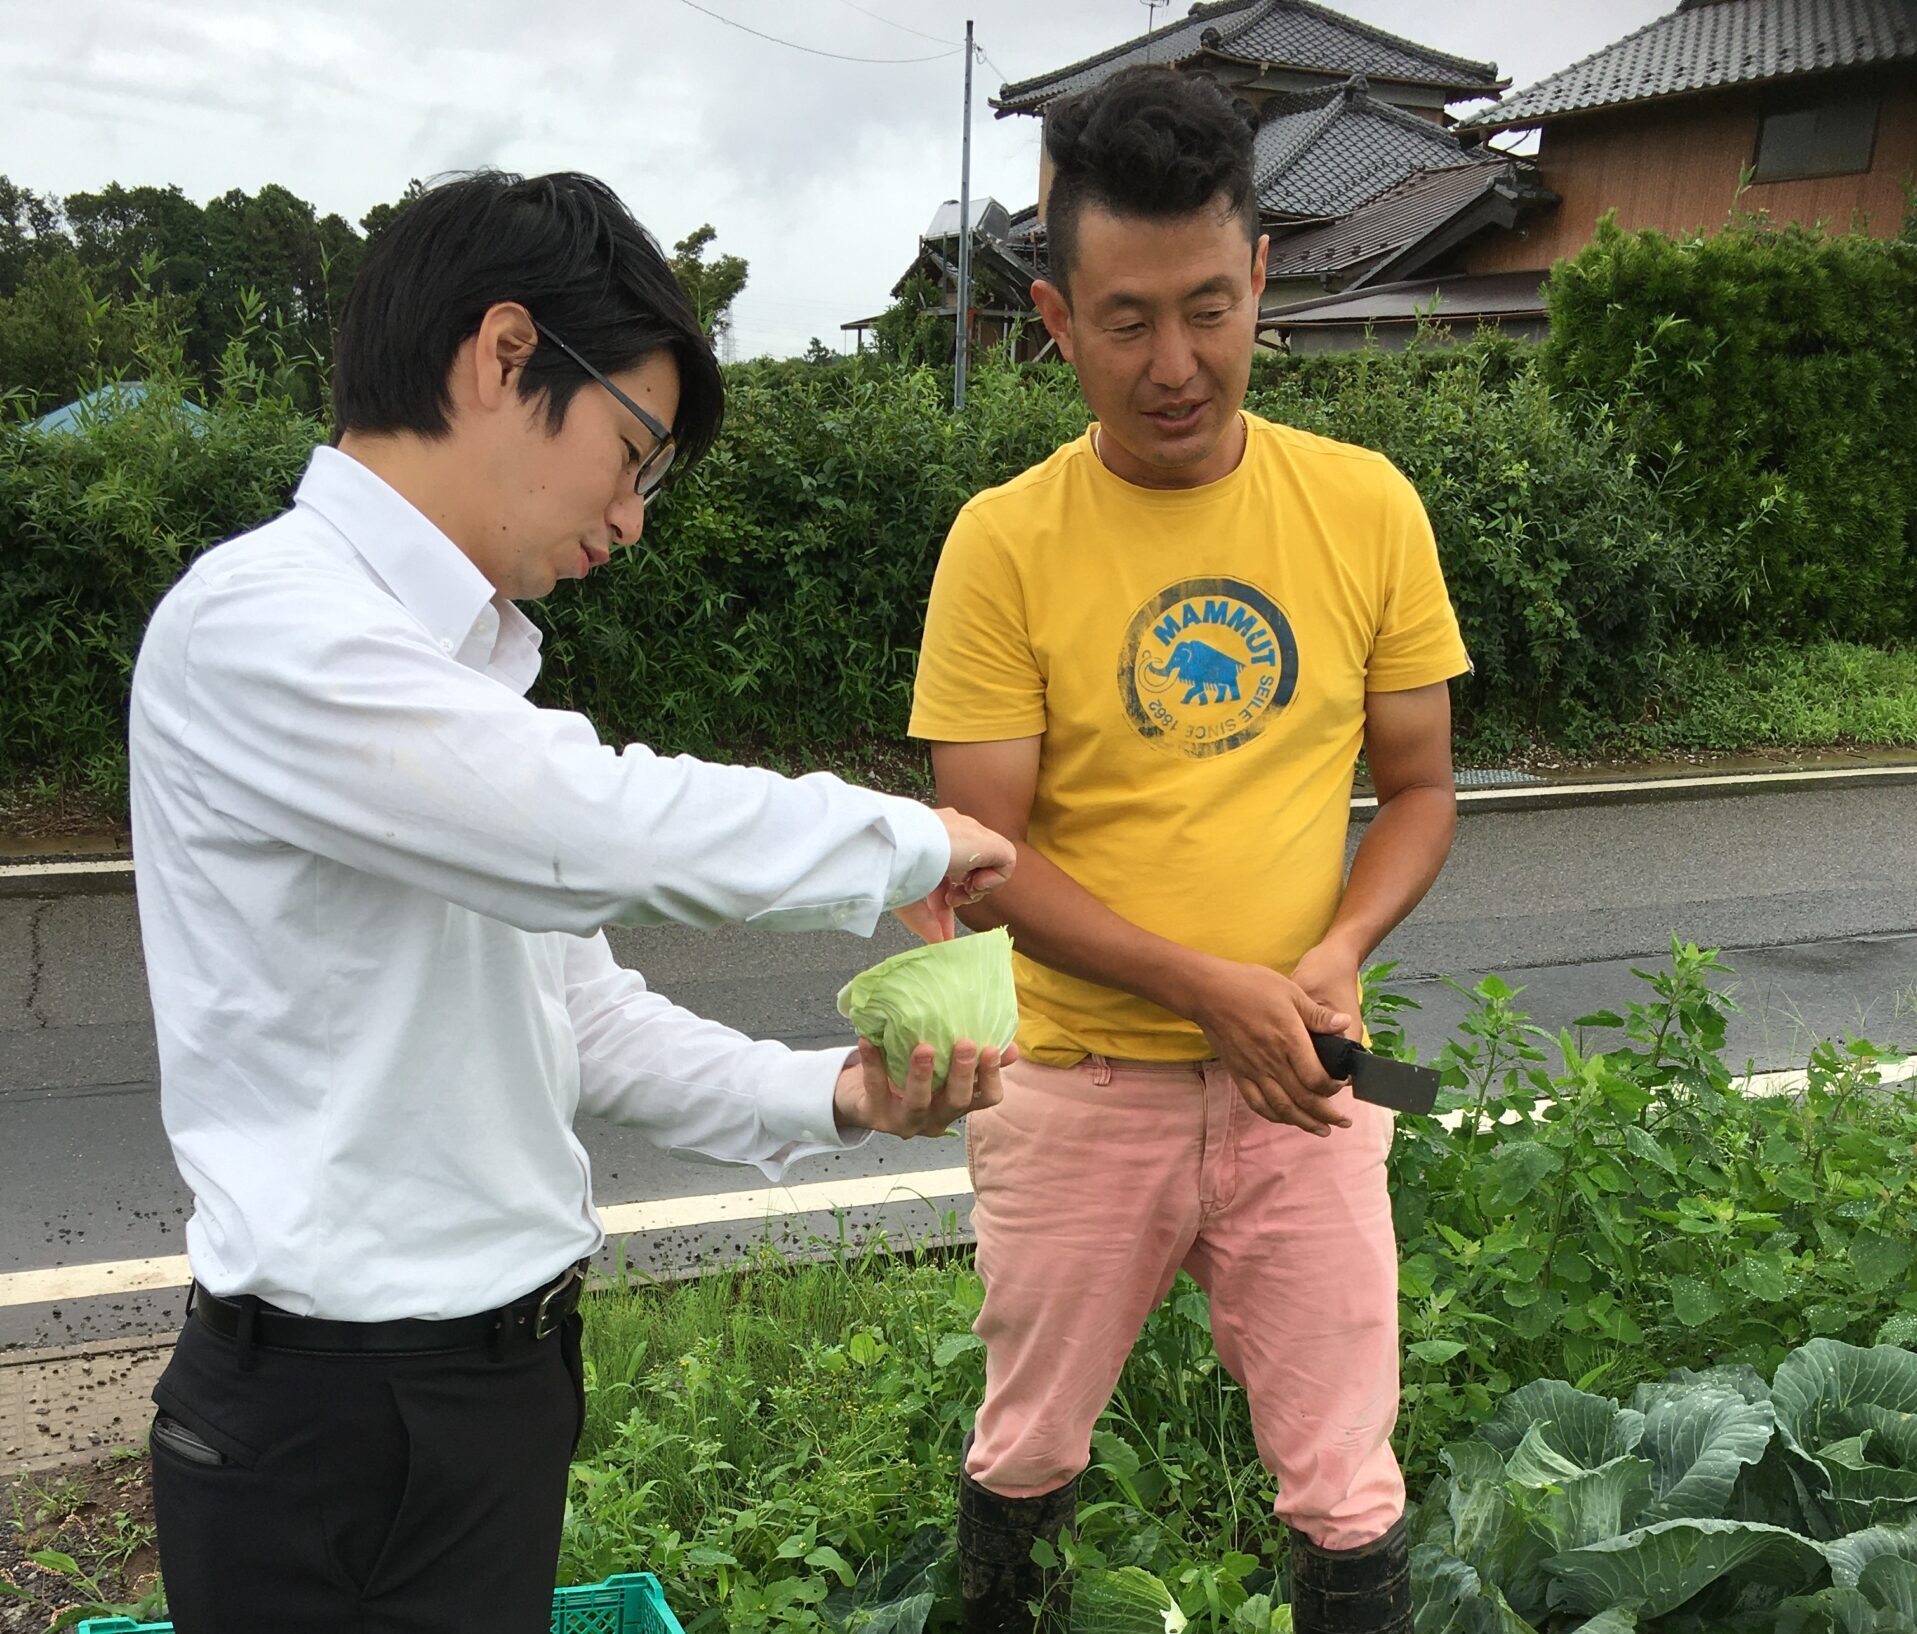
1200, 667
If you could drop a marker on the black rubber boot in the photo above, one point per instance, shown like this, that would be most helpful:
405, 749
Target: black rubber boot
1366, 1590
998, 1579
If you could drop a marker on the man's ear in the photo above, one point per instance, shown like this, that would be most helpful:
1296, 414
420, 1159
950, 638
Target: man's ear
1259, 256
1056, 310
506, 340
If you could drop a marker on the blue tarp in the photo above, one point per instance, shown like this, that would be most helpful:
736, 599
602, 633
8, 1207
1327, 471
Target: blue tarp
99, 405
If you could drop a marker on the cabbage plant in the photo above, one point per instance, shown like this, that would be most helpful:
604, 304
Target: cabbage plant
936, 994
1712, 1504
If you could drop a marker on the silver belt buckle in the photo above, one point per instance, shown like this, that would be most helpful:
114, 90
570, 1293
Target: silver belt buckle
545, 1324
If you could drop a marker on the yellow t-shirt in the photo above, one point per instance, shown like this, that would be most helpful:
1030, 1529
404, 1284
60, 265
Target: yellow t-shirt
1197, 661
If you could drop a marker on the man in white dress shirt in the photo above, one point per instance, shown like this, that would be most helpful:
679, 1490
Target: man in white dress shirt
373, 880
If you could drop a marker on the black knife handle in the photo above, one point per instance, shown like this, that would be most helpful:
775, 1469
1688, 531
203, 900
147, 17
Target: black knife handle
1335, 1053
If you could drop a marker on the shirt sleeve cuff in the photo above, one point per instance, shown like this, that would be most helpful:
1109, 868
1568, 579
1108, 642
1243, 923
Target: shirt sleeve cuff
922, 853
795, 1105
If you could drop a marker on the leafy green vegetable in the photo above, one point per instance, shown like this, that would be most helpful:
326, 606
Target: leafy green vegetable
936, 994
1127, 1601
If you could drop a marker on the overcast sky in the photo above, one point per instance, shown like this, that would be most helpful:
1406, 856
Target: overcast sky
822, 173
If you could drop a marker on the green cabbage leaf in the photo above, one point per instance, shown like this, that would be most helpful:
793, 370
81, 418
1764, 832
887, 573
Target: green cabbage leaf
936, 994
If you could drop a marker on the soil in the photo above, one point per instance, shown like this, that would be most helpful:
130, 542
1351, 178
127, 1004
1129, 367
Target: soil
100, 1514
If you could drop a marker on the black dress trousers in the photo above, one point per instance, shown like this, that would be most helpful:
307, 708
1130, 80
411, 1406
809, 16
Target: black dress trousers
329, 1493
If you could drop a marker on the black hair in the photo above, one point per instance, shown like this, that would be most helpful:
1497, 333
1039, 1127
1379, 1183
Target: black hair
564, 247
1151, 142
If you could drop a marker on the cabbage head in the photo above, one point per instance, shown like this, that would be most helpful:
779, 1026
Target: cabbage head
936, 994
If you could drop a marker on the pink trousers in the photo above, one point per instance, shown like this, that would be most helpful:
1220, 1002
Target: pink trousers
1095, 1184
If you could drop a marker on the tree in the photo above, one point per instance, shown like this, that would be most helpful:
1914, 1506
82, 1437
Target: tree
59, 336
29, 232
712, 285
913, 330
125, 235
271, 245
382, 216
817, 351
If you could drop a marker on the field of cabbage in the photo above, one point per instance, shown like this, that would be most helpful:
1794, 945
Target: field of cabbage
1660, 1377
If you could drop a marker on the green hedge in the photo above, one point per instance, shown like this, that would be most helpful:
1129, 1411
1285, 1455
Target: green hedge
775, 600
1714, 444
1769, 374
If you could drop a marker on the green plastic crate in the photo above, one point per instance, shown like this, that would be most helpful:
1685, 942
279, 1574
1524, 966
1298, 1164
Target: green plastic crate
630, 1603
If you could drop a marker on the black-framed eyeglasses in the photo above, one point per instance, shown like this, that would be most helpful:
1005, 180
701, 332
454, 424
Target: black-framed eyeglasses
653, 468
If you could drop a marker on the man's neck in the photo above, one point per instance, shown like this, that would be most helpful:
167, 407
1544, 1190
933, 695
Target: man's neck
420, 473
1223, 459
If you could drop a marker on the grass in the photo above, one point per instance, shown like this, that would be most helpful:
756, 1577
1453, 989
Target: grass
1832, 693
788, 1414
1828, 695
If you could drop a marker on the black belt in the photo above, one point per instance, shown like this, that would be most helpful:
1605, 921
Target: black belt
253, 1322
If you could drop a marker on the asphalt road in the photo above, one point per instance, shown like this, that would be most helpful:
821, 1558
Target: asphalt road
1813, 892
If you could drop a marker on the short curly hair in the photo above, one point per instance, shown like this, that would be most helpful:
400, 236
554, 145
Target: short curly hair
1151, 142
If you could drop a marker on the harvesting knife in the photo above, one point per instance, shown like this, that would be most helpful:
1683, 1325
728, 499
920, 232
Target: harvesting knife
1377, 1078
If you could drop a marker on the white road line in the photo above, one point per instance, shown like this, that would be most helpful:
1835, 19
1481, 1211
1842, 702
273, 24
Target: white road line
1638, 785
1760, 1084
1364, 802
50, 870
672, 1213
59, 1283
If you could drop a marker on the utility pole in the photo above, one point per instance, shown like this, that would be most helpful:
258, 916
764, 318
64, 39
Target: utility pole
962, 350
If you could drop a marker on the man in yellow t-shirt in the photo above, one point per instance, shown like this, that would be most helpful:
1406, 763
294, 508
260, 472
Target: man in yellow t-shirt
1153, 659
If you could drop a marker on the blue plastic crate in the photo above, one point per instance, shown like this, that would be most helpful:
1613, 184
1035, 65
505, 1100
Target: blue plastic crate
630, 1603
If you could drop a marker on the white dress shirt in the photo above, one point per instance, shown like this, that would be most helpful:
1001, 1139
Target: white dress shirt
372, 879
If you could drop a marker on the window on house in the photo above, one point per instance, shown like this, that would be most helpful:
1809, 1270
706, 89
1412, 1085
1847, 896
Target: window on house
1816, 139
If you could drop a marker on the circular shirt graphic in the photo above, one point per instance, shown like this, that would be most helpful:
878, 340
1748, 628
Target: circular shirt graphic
1207, 665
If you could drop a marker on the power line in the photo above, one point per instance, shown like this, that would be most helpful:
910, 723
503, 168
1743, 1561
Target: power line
1003, 76
813, 51
935, 39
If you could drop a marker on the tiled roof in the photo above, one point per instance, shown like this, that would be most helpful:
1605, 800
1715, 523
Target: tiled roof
1324, 153
1709, 43
1297, 34
1411, 211
1483, 294
1281, 33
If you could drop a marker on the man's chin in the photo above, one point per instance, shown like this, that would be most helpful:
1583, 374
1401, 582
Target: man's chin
1176, 450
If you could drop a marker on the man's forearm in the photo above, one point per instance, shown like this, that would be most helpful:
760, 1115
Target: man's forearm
1403, 848
1056, 921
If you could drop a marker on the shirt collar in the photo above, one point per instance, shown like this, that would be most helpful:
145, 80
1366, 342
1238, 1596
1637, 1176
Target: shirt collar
429, 575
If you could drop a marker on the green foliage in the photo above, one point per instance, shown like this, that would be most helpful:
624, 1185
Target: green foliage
1700, 1507
57, 329
29, 231
1569, 570
94, 527
1629, 1210
913, 332
1769, 375
261, 267
382, 216
774, 605
712, 285
779, 1440
777, 594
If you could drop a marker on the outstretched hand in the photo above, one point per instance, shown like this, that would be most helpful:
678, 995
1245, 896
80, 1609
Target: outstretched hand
982, 861
865, 1098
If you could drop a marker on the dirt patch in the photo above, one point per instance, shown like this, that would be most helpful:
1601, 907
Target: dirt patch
98, 1515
